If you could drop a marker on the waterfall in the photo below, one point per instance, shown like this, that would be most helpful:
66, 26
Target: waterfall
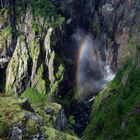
93, 72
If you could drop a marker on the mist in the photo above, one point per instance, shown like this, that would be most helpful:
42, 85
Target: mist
93, 71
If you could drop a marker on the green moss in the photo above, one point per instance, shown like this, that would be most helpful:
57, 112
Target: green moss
59, 74
40, 10
131, 43
54, 88
115, 115
10, 114
36, 26
52, 134
41, 85
5, 34
4, 127
46, 9
33, 96
48, 120
31, 128
71, 120
6, 31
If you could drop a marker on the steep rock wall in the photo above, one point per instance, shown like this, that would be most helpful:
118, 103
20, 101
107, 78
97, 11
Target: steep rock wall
26, 55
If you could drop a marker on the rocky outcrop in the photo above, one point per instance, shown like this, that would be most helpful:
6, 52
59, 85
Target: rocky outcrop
61, 121
6, 37
116, 106
17, 133
30, 59
37, 49
26, 105
106, 21
18, 68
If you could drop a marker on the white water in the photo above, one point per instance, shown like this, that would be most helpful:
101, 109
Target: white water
93, 72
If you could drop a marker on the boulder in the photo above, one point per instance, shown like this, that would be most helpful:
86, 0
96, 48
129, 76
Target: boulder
26, 105
49, 111
17, 133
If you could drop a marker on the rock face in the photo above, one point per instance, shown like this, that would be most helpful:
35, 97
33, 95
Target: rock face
61, 121
110, 27
17, 133
109, 23
114, 108
17, 71
26, 105
25, 49
31, 55
37, 49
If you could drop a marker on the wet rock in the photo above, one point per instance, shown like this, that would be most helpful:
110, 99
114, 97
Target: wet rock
61, 121
3, 62
125, 79
49, 111
17, 133
50, 56
34, 117
26, 105
68, 21
38, 136
1, 25
107, 8
81, 112
18, 68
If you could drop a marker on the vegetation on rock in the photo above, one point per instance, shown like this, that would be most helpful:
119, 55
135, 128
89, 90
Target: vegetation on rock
115, 113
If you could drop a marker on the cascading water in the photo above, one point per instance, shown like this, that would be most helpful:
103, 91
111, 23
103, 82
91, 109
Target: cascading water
93, 73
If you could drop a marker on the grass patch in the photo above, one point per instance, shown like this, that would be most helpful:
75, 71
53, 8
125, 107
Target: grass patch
34, 96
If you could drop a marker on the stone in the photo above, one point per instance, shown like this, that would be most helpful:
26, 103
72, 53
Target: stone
3, 62
34, 117
38, 136
17, 74
17, 133
49, 111
26, 105
61, 121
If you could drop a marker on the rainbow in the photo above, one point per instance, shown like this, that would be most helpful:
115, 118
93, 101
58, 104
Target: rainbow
84, 51
79, 58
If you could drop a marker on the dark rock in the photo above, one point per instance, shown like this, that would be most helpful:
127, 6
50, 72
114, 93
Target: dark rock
4, 61
38, 136
34, 117
26, 105
49, 111
17, 133
61, 121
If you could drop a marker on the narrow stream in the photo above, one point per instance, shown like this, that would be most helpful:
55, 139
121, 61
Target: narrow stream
93, 73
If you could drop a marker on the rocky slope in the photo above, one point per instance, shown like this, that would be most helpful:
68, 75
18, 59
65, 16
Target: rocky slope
30, 71
30, 58
39, 48
116, 110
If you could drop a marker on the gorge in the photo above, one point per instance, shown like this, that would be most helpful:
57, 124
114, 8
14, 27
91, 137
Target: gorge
69, 69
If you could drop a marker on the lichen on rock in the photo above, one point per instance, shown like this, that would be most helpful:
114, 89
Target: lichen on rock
17, 71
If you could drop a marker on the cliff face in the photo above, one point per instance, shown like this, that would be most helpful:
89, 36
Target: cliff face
30, 39
40, 42
26, 55
116, 110
110, 28
109, 23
